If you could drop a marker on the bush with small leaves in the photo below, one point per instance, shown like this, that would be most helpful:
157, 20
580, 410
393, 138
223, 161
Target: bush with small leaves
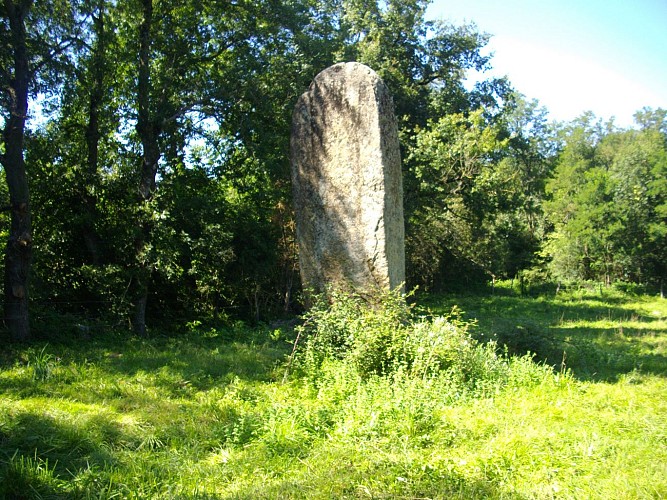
369, 334
382, 337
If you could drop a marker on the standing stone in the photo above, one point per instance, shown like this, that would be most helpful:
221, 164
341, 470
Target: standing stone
346, 176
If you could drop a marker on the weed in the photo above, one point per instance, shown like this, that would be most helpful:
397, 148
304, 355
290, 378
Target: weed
42, 364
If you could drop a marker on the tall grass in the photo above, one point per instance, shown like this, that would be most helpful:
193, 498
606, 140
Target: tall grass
380, 402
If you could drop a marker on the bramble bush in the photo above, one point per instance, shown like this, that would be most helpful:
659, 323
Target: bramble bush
386, 337
367, 335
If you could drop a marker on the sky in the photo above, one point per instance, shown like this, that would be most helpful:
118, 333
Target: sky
605, 56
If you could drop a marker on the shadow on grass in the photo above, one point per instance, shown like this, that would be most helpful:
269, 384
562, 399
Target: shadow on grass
38, 454
197, 363
596, 354
556, 331
545, 326
178, 362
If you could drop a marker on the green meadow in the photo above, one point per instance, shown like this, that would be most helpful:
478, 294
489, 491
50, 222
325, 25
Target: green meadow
476, 396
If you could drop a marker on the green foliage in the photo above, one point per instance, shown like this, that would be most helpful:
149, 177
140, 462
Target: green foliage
477, 195
606, 205
209, 110
451, 156
368, 333
384, 338
206, 133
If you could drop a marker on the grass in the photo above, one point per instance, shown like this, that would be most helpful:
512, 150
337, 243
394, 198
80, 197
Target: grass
207, 415
600, 335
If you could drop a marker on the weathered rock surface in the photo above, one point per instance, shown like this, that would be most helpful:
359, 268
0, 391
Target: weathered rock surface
346, 174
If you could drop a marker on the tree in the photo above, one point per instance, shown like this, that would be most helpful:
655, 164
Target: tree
80, 178
31, 53
424, 65
18, 250
607, 204
97, 85
169, 188
205, 61
452, 155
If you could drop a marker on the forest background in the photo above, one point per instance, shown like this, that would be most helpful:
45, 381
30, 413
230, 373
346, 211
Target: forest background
146, 151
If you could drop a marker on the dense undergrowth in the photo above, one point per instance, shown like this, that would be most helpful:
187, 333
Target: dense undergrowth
499, 397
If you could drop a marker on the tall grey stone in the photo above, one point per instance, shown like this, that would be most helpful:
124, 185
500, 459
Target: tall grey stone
346, 176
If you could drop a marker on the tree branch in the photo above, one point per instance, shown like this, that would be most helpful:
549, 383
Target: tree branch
195, 104
429, 79
59, 49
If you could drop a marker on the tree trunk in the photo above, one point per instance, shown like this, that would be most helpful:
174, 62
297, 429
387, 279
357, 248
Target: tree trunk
18, 251
91, 238
139, 320
148, 129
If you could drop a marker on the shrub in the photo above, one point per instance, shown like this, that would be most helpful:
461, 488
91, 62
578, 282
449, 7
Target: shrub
439, 344
383, 337
368, 334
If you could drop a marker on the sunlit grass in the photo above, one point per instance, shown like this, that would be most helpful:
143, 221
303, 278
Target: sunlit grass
202, 416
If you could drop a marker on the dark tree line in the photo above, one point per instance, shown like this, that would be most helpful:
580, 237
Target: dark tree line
145, 149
